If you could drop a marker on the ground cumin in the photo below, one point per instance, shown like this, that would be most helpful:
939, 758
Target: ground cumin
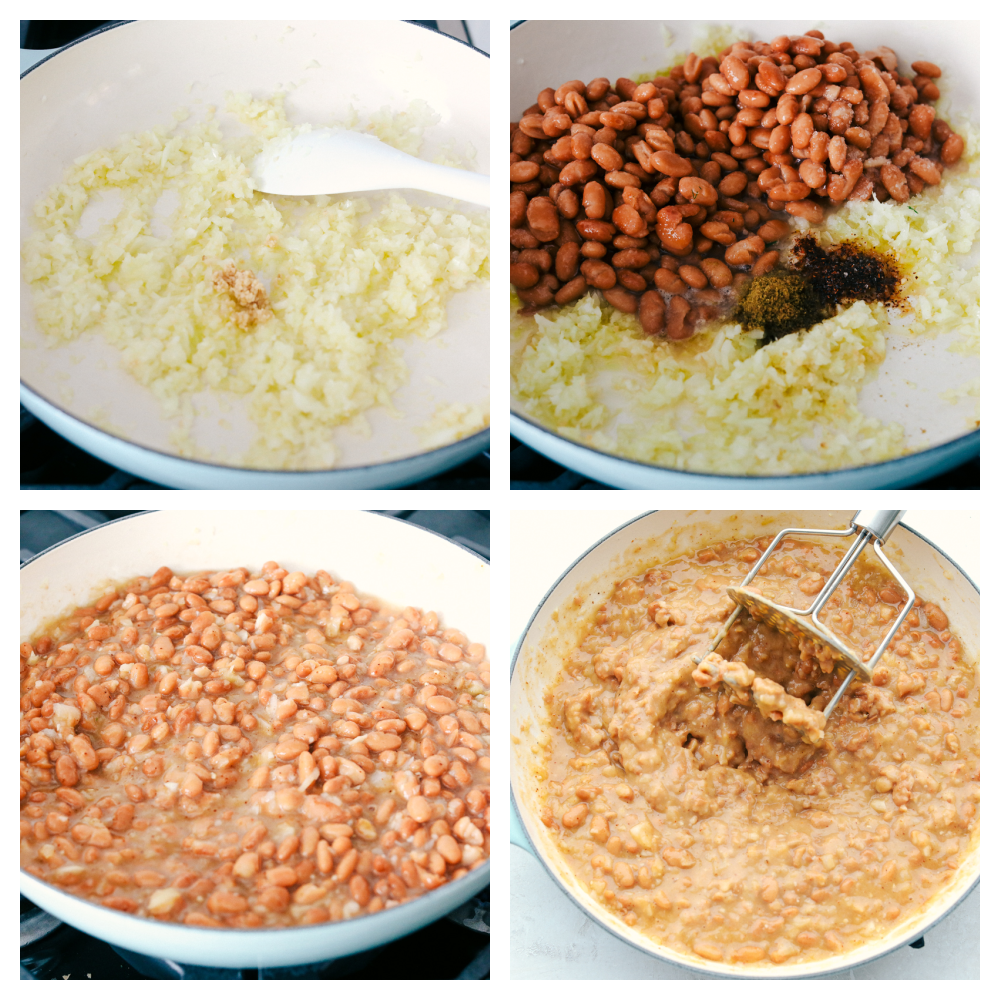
785, 301
778, 304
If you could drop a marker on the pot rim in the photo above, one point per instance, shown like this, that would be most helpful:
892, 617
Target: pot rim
954, 452
674, 958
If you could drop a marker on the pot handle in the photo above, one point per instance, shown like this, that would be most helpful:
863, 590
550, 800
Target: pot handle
517, 835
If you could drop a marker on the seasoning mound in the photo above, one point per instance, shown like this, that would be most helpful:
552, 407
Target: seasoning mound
778, 304
784, 302
247, 298
847, 273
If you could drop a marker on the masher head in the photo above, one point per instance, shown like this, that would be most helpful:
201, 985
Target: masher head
830, 651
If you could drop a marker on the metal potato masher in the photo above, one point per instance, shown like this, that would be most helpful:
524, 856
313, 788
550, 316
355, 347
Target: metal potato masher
870, 526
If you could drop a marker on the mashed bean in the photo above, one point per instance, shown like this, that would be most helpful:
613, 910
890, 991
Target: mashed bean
348, 279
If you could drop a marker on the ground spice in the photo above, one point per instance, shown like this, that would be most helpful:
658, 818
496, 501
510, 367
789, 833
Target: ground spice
777, 303
846, 273
785, 301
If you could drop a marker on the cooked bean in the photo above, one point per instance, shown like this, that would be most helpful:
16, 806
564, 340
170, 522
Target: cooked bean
595, 229
523, 171
606, 157
572, 290
652, 312
952, 149
718, 232
629, 221
895, 183
765, 262
717, 273
621, 299
598, 274
524, 275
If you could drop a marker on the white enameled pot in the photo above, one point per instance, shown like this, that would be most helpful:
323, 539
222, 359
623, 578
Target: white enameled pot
398, 562
907, 389
131, 76
565, 612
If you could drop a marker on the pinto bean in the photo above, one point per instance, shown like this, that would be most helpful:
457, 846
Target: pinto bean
652, 312
567, 261
621, 299
598, 274
629, 221
952, 149
895, 183
524, 275
572, 290
718, 274
543, 218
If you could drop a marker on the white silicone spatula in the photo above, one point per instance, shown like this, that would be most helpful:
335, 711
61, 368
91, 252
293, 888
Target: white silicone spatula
328, 161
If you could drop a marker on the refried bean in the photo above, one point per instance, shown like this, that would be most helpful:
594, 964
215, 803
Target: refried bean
237, 749
720, 831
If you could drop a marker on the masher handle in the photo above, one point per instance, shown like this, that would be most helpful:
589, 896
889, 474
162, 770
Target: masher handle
879, 522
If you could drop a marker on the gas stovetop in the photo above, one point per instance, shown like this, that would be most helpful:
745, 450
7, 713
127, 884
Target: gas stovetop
54, 950
50, 462
531, 471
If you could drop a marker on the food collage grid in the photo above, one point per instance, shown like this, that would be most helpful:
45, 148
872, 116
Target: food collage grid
739, 715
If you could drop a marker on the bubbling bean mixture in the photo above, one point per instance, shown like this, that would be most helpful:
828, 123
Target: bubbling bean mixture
252, 750
666, 195
720, 831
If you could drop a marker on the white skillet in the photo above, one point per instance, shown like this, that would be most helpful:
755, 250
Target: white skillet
399, 562
135, 75
916, 371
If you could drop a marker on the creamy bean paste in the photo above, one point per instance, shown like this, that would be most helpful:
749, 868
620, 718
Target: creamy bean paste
717, 830
240, 749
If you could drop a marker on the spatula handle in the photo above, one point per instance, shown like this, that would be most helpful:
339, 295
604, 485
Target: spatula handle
462, 184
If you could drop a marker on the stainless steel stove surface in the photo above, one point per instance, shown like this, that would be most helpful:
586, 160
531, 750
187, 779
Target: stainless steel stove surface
531, 471
51, 949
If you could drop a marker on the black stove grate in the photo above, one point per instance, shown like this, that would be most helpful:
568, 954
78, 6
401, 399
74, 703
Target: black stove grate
50, 462
531, 471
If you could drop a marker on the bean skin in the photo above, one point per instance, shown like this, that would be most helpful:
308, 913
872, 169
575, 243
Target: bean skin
952, 149
652, 312
524, 275
572, 290
623, 300
567, 261
598, 274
